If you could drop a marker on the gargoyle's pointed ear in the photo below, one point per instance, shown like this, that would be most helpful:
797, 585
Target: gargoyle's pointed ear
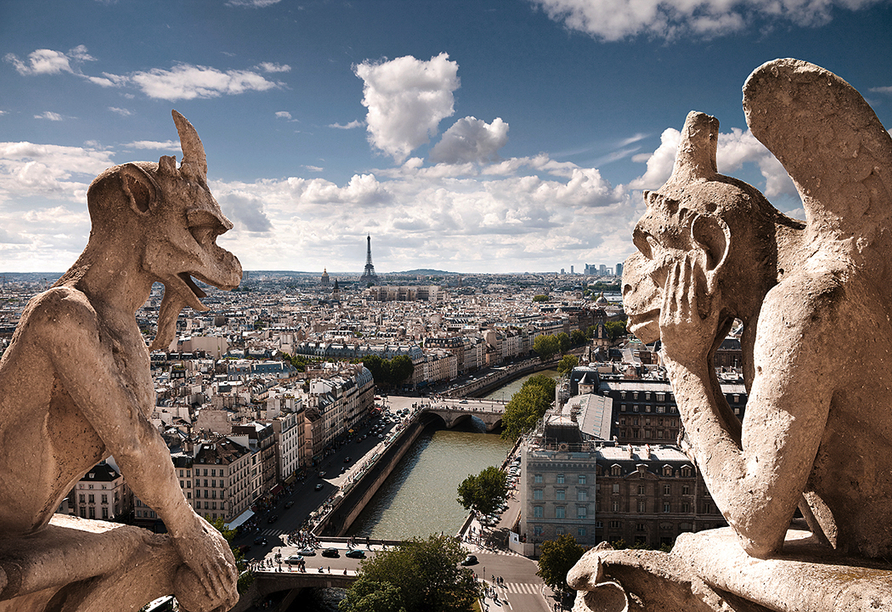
194, 160
140, 188
713, 236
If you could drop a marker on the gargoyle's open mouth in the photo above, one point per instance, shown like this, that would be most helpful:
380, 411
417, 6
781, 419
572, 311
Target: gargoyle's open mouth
191, 284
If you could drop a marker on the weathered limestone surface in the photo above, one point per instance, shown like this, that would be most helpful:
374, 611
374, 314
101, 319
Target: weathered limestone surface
75, 387
815, 300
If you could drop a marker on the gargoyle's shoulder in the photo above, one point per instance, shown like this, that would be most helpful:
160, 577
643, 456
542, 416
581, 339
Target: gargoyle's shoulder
60, 305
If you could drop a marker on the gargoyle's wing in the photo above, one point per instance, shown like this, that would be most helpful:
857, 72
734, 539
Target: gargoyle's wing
829, 140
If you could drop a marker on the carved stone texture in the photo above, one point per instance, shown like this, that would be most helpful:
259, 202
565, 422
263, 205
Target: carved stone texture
75, 387
815, 301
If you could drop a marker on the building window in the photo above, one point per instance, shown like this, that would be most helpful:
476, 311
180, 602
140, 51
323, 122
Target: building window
667, 470
104, 498
537, 478
537, 530
686, 489
581, 512
615, 487
91, 499
667, 507
640, 527
537, 512
560, 512
560, 479
82, 498
105, 512
580, 532
642, 506
641, 489
581, 495
615, 470
685, 507
581, 479
537, 494
616, 506
686, 471
667, 489
560, 494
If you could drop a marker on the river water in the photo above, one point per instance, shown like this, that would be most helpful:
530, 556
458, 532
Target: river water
419, 497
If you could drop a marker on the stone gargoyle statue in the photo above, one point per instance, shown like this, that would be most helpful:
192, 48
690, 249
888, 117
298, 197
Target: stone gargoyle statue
75, 387
815, 302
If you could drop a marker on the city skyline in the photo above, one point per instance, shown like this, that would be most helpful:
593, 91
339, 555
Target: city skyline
488, 136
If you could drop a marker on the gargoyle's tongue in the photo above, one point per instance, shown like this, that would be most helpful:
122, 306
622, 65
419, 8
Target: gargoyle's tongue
173, 302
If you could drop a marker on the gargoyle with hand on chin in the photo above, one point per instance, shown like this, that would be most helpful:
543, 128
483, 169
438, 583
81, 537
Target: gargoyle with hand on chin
75, 380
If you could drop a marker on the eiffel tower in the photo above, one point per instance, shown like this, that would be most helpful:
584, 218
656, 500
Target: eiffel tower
368, 276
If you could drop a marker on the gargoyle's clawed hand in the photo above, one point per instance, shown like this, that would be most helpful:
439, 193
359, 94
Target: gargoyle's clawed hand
205, 551
688, 322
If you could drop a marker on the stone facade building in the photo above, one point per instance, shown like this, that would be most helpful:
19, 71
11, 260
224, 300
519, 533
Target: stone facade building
101, 494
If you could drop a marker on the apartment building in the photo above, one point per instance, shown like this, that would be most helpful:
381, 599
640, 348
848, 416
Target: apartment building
101, 494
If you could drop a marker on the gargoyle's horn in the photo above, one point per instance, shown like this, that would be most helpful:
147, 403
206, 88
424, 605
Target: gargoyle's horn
194, 160
695, 159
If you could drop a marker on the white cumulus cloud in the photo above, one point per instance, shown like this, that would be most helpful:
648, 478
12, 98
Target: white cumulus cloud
187, 82
613, 20
49, 116
406, 100
471, 140
347, 126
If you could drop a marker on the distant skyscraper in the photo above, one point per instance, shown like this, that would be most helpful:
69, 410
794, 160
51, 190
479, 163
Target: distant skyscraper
368, 276
619, 269
571, 270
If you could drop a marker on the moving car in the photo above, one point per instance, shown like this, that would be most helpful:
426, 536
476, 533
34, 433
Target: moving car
307, 552
260, 540
355, 554
331, 552
289, 503
294, 560
469, 560
319, 487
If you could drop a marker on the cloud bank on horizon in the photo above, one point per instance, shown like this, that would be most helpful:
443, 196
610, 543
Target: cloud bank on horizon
450, 199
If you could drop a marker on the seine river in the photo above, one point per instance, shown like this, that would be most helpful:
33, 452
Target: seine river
419, 497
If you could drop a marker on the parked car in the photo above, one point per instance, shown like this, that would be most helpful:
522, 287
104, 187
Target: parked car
319, 487
294, 560
260, 540
469, 560
289, 503
273, 518
331, 552
307, 552
355, 554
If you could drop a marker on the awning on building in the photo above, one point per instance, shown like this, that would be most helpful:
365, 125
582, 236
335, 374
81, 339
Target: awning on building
276, 490
290, 479
240, 519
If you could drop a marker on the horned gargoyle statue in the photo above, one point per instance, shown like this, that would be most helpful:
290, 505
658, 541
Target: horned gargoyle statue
75, 388
815, 302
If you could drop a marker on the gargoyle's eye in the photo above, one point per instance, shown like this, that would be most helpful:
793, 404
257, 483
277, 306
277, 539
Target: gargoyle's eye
644, 242
204, 225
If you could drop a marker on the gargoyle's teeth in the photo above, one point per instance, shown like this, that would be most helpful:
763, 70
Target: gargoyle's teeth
191, 284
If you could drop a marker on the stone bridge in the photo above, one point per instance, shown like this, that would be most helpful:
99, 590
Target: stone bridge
272, 581
454, 411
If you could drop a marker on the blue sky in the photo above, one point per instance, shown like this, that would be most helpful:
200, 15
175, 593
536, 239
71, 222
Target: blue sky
470, 136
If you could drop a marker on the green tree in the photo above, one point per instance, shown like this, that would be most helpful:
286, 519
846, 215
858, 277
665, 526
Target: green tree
380, 368
546, 346
527, 406
540, 298
426, 573
485, 491
577, 337
401, 368
567, 363
615, 329
366, 595
557, 557
564, 342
